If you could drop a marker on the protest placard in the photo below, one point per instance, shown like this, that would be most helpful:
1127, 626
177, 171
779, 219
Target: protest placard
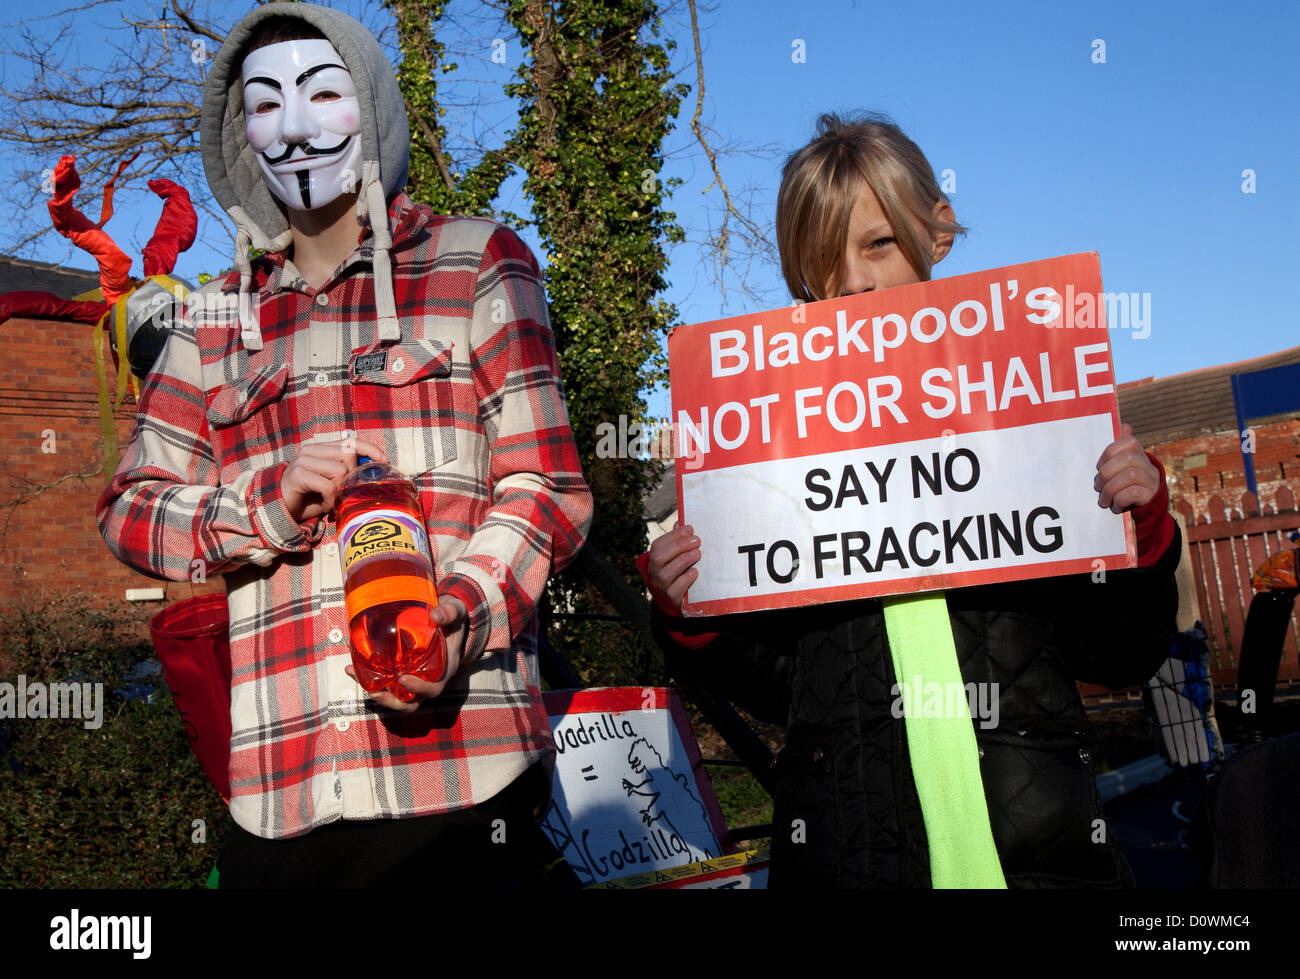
630, 793
935, 435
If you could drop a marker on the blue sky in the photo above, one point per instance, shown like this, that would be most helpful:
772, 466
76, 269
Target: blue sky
1139, 158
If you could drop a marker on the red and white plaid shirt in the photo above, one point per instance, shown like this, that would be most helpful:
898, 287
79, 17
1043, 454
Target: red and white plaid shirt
469, 404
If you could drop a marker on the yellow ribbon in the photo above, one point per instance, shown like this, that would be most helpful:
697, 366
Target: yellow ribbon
107, 426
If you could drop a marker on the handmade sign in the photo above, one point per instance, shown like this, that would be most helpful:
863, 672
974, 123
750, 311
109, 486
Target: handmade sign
930, 436
629, 793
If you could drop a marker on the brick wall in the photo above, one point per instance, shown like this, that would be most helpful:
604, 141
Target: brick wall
1207, 465
48, 534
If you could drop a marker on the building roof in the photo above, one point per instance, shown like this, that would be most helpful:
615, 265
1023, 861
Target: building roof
21, 274
662, 499
1183, 405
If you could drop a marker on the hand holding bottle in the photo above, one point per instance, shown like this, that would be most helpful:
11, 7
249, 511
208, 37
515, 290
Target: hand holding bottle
316, 473
450, 615
397, 622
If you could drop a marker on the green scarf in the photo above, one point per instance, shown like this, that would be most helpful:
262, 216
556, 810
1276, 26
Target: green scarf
945, 758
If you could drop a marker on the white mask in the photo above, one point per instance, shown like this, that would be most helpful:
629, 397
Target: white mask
303, 120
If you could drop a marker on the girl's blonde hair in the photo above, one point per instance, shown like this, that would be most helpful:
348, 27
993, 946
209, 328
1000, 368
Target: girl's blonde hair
820, 183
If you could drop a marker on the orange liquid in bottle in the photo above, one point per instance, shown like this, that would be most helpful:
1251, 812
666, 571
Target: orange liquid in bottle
388, 582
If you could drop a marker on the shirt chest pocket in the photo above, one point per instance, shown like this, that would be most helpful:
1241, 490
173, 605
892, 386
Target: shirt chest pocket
407, 390
250, 417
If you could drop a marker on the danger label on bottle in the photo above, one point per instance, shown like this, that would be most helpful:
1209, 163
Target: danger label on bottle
382, 532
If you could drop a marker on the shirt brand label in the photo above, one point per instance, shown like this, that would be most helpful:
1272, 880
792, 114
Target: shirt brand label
373, 363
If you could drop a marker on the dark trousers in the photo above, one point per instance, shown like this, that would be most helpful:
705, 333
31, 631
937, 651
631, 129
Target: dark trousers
496, 844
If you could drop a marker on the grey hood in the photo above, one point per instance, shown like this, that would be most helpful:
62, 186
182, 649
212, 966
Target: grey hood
230, 163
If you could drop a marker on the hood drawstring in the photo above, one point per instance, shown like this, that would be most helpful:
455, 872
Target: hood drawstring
372, 199
250, 331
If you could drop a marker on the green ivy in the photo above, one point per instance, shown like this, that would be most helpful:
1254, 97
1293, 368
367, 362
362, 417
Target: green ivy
596, 101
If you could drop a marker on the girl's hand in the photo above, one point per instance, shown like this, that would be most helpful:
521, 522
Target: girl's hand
1125, 476
672, 564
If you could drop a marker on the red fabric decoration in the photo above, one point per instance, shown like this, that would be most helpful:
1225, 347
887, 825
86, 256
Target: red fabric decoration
47, 306
114, 266
176, 228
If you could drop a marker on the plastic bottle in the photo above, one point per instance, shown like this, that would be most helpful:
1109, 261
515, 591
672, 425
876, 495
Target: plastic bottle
388, 580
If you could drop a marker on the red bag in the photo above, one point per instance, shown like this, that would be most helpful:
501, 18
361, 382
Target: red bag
192, 640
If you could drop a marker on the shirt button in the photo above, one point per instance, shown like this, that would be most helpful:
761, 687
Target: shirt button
322, 299
331, 548
336, 635
399, 365
342, 725
322, 377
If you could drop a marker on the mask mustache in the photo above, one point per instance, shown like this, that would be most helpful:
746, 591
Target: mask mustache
307, 149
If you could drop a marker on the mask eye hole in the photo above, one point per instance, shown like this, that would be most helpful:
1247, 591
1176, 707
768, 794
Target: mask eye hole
326, 95
262, 108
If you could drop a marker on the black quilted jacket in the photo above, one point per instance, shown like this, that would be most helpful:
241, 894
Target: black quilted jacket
826, 672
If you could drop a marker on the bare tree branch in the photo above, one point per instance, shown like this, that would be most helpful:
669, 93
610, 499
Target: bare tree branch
144, 95
142, 89
195, 27
29, 490
755, 244
435, 144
